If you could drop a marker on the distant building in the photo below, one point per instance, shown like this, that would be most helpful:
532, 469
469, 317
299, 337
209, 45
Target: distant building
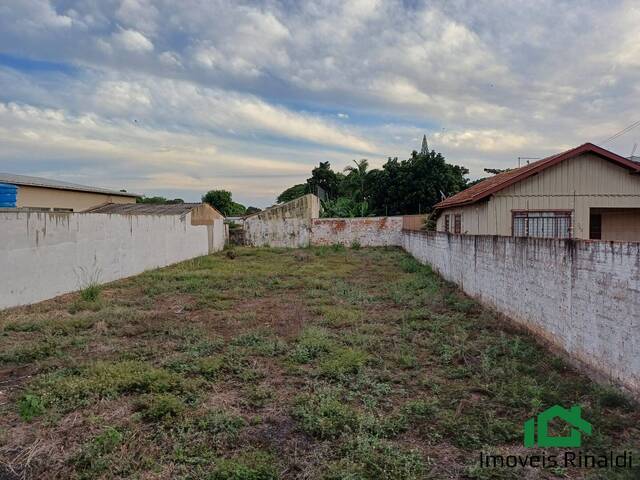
586, 192
35, 193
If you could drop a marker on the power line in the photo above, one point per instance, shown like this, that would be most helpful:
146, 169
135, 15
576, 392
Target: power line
622, 132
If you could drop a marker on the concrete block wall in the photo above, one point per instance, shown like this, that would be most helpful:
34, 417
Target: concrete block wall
47, 254
367, 231
287, 225
582, 297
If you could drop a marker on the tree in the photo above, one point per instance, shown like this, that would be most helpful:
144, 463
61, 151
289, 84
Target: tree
329, 181
251, 210
221, 200
294, 192
355, 182
496, 171
158, 200
343, 207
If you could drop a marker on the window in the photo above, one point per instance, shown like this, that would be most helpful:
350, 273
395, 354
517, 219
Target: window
595, 226
457, 224
542, 224
446, 223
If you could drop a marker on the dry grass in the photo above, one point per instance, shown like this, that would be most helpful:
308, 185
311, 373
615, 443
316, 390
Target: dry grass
320, 363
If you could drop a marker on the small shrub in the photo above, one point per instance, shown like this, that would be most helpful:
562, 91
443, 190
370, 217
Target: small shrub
343, 362
338, 316
609, 397
31, 351
407, 359
409, 265
90, 293
324, 415
256, 465
367, 457
355, 245
312, 343
30, 406
161, 406
69, 388
94, 457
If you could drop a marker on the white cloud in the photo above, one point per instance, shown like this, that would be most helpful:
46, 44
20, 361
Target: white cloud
488, 81
133, 41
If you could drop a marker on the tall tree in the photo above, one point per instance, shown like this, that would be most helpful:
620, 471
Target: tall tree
355, 182
221, 200
323, 177
294, 192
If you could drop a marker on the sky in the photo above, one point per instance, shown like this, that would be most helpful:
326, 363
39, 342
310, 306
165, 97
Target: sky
174, 98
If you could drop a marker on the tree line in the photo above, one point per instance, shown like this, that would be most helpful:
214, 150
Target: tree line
400, 187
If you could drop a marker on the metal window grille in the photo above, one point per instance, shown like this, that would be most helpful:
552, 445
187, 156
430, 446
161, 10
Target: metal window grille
446, 223
457, 224
542, 224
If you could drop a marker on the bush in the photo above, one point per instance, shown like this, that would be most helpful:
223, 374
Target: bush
312, 343
30, 406
355, 245
70, 388
372, 458
90, 293
256, 465
324, 415
343, 362
161, 406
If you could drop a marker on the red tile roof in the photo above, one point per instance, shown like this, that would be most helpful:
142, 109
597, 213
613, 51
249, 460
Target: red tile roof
501, 181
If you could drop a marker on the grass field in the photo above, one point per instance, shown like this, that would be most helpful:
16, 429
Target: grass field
323, 363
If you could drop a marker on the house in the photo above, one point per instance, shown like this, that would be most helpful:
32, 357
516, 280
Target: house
35, 193
586, 193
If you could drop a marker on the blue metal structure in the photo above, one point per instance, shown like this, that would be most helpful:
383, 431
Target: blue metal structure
8, 195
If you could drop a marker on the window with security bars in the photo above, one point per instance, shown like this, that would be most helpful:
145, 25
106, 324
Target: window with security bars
446, 223
542, 224
457, 224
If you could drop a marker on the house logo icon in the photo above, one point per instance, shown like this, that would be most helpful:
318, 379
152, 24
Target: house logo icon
572, 416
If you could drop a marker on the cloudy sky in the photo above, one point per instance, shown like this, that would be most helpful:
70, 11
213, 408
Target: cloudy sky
178, 97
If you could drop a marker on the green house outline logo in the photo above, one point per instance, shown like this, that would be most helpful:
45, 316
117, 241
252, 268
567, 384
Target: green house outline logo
572, 416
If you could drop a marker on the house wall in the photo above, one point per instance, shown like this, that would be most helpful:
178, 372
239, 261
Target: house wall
46, 254
367, 231
577, 184
40, 197
621, 225
286, 225
582, 297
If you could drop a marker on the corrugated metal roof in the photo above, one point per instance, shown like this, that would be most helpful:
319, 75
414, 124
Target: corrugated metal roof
502, 180
145, 208
48, 183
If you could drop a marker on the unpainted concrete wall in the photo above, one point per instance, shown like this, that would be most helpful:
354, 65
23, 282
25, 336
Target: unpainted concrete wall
287, 225
367, 231
583, 297
46, 254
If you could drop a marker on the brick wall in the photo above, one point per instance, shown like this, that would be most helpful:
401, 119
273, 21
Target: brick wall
583, 297
367, 231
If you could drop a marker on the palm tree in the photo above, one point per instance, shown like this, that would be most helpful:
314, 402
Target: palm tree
358, 175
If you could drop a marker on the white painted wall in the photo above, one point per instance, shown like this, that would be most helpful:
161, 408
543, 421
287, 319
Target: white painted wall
46, 254
581, 296
287, 225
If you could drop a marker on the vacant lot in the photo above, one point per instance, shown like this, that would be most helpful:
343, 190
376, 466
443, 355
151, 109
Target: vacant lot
320, 363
